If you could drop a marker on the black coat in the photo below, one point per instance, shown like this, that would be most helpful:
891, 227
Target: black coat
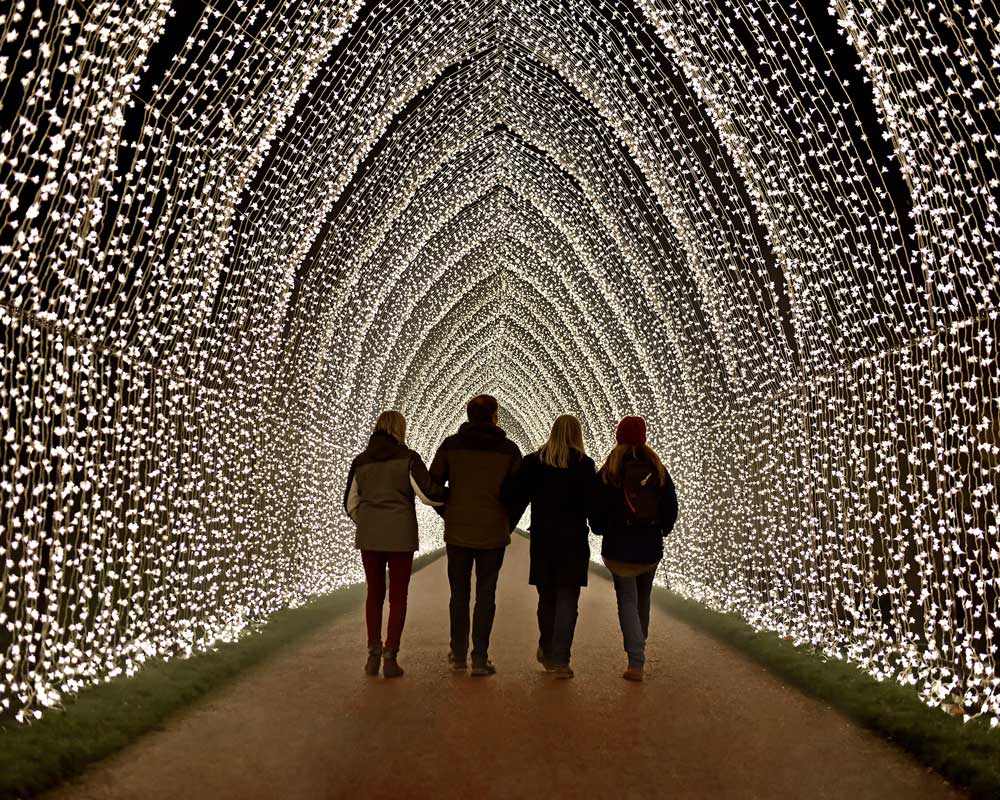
559, 498
627, 542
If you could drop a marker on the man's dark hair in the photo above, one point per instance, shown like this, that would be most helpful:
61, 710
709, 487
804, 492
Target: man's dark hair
481, 409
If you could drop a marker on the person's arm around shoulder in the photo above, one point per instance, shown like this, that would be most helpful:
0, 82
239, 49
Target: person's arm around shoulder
668, 506
352, 497
427, 490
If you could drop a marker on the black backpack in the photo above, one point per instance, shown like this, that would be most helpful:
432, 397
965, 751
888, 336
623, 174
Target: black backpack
641, 488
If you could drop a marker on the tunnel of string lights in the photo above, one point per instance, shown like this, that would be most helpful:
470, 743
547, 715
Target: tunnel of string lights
233, 232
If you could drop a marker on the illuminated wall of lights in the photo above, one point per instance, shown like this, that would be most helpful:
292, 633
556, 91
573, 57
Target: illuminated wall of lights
232, 232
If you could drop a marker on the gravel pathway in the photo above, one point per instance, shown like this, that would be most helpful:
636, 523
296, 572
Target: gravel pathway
707, 723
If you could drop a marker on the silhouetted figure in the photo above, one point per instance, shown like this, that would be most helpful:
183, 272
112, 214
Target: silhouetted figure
635, 508
381, 486
477, 463
558, 481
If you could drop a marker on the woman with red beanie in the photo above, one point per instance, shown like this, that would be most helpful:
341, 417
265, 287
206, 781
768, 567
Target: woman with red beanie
636, 508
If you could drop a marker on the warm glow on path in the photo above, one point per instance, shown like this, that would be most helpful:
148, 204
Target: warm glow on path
705, 724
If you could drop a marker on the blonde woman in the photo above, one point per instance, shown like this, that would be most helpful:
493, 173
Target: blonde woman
635, 508
381, 486
558, 481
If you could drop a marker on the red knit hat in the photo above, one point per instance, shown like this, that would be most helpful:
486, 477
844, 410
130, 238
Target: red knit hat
631, 431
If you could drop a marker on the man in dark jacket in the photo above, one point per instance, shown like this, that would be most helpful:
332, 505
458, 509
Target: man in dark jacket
478, 464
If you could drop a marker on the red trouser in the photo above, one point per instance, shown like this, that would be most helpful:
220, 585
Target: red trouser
400, 565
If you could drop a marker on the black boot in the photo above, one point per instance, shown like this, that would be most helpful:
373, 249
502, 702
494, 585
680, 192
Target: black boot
374, 659
482, 667
390, 668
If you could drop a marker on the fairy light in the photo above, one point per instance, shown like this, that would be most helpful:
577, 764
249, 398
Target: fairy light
227, 240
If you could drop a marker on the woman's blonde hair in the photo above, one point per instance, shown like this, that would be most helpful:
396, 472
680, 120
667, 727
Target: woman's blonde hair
611, 471
393, 423
566, 436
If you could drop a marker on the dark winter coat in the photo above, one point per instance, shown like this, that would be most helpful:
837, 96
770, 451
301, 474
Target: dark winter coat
381, 486
477, 463
560, 499
627, 542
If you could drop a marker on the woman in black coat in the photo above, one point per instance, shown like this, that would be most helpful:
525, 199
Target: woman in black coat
558, 481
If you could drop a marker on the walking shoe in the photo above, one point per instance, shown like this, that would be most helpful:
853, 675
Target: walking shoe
390, 667
457, 664
480, 668
374, 659
562, 671
633, 674
540, 655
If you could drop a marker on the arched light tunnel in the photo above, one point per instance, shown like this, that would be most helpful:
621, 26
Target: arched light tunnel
233, 232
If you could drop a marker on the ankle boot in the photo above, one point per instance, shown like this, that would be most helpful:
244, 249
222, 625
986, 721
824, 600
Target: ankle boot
374, 659
390, 667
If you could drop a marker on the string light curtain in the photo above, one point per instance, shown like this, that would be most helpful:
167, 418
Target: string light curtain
231, 233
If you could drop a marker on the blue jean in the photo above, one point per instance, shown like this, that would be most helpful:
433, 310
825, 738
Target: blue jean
633, 614
487, 564
557, 612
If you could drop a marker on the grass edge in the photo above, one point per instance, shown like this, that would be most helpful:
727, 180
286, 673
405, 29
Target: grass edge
965, 754
105, 718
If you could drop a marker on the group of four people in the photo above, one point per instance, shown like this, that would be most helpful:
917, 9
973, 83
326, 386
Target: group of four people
480, 485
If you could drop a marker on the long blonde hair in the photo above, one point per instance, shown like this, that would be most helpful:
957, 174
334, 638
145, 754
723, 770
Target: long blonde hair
566, 436
611, 471
392, 423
